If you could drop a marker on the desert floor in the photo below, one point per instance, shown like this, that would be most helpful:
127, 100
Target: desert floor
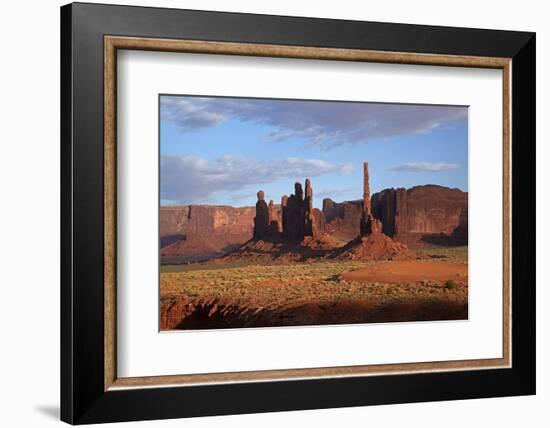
206, 296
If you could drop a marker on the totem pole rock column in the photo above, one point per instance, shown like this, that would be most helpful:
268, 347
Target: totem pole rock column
310, 229
261, 221
369, 224
297, 212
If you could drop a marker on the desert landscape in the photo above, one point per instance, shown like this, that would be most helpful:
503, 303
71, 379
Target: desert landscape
396, 255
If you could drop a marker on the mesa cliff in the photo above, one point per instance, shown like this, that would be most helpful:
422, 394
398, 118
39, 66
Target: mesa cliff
430, 213
195, 232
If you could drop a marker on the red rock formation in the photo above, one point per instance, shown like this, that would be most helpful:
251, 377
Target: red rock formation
275, 219
366, 190
433, 214
369, 224
372, 244
318, 221
342, 219
375, 246
297, 213
460, 234
428, 213
261, 220
442, 220
309, 227
203, 231
173, 224
294, 213
284, 214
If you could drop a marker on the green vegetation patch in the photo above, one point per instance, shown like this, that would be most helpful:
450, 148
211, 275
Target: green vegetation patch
280, 285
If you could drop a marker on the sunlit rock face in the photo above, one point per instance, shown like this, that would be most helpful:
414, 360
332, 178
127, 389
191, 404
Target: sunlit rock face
430, 213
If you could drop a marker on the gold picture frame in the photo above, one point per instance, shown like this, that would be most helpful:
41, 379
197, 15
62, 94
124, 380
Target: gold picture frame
114, 43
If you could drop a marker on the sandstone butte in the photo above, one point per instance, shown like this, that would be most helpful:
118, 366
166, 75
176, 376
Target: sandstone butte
377, 226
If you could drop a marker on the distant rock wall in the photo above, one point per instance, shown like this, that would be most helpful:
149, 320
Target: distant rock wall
173, 224
220, 220
430, 213
342, 219
203, 231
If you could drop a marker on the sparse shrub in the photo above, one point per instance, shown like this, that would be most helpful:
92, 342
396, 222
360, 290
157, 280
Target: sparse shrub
451, 285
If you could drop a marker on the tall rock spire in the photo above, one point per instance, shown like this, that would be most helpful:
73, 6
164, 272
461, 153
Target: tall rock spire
366, 190
261, 221
369, 224
310, 229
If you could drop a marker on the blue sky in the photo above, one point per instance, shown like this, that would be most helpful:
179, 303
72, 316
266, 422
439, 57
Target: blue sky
221, 151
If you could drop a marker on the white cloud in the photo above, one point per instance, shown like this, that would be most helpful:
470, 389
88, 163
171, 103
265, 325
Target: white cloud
188, 179
188, 113
324, 123
426, 167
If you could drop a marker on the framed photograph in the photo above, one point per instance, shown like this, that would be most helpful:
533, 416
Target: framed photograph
266, 213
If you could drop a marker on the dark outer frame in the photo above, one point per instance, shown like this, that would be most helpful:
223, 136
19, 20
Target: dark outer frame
83, 397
